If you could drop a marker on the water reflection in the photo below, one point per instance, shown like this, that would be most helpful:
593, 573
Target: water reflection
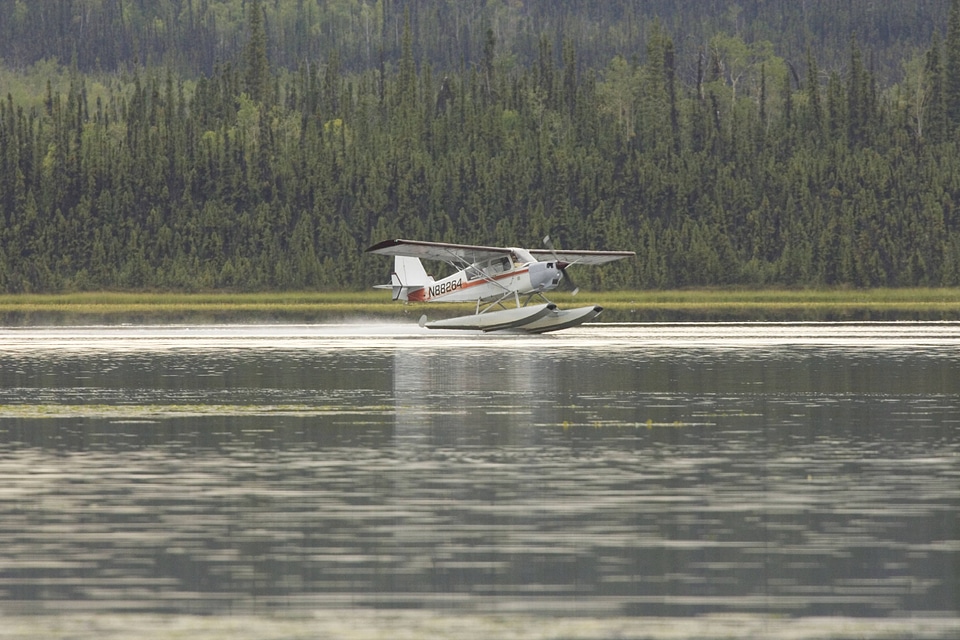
650, 470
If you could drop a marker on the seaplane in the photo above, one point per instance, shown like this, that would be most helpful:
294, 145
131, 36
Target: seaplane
502, 281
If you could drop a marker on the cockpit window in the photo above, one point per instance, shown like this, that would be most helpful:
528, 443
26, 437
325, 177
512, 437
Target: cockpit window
489, 268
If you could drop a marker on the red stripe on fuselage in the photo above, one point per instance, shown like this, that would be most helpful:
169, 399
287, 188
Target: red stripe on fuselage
422, 295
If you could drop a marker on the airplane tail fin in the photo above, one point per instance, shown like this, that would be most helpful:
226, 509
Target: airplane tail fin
408, 275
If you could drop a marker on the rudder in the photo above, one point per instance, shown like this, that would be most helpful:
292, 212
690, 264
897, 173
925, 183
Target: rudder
408, 275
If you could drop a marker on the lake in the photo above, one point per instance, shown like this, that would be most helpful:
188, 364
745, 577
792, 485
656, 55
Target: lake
361, 479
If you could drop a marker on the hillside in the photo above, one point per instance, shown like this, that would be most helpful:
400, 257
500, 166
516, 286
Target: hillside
262, 145
193, 36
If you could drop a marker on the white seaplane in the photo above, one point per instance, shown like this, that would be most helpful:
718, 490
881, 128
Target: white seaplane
501, 280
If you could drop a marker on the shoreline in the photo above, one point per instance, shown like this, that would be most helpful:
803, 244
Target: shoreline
694, 305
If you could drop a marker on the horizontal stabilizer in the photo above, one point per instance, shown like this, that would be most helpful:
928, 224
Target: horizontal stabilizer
398, 291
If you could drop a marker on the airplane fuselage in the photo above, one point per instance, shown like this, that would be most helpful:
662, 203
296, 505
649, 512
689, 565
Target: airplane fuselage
491, 279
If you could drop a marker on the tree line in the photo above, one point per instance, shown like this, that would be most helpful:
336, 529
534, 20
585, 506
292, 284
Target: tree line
722, 164
193, 36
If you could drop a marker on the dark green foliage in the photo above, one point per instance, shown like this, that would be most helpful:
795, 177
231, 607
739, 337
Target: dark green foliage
276, 167
952, 71
257, 67
192, 36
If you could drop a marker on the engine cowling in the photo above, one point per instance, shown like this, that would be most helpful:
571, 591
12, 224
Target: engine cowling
545, 275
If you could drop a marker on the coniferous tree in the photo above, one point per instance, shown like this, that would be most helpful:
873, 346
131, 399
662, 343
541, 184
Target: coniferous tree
936, 116
859, 103
813, 96
951, 85
257, 66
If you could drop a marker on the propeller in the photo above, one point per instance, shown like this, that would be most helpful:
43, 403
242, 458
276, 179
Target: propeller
574, 289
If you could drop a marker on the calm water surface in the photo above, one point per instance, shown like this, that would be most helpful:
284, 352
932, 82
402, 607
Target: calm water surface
779, 480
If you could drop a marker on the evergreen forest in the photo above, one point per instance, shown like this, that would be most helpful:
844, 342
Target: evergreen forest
250, 145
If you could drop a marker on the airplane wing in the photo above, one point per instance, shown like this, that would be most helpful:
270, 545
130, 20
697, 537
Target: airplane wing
459, 254
581, 257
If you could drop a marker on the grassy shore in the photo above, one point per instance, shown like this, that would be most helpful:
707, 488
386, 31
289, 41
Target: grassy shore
620, 306
785, 305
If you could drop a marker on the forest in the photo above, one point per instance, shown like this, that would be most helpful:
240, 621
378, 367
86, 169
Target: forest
251, 145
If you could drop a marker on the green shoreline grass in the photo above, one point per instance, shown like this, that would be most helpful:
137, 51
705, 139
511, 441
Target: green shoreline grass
639, 306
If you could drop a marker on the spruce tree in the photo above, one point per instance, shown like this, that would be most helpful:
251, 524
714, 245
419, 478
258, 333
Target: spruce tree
951, 85
257, 71
936, 120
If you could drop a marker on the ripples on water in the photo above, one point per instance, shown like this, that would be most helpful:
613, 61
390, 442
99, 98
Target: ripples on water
609, 481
